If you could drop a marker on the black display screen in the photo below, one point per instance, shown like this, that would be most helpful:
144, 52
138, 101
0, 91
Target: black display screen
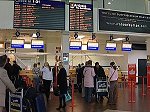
81, 17
39, 14
110, 20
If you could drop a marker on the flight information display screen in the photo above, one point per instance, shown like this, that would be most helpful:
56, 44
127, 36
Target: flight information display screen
39, 14
81, 17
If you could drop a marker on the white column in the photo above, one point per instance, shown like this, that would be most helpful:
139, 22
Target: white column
65, 50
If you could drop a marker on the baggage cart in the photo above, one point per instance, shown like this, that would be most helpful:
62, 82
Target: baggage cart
102, 87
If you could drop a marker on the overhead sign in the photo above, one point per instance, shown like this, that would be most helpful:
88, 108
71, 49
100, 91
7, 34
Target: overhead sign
75, 45
126, 47
37, 44
92, 46
111, 46
17, 43
39, 14
81, 17
110, 20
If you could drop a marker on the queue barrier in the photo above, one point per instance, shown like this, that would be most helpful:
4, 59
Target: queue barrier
132, 88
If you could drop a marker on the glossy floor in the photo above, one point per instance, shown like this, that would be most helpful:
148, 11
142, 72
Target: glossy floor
142, 103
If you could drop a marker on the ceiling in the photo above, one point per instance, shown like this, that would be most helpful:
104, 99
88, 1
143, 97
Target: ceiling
54, 36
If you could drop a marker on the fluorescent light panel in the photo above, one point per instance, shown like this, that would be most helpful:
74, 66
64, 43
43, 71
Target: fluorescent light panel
118, 39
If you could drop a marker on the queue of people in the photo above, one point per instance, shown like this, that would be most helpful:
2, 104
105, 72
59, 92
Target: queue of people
88, 76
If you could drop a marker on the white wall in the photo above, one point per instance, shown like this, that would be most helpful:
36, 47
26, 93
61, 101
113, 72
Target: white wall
6, 14
134, 56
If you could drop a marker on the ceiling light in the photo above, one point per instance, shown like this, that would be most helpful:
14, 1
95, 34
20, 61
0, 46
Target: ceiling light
34, 35
81, 36
1, 45
109, 3
118, 39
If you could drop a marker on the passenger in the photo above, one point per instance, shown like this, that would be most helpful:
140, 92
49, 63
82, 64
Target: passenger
47, 78
8, 68
37, 73
88, 81
5, 82
62, 84
79, 78
16, 69
113, 77
100, 74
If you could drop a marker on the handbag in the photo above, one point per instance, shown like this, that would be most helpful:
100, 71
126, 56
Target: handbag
56, 91
67, 97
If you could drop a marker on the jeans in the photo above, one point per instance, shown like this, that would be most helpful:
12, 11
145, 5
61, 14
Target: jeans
88, 94
37, 82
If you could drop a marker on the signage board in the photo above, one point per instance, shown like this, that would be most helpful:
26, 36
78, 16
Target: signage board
39, 14
126, 47
110, 20
111, 46
80, 17
75, 45
92, 46
17, 43
37, 44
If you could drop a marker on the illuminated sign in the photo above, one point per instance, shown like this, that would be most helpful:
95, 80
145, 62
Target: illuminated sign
39, 14
17, 43
80, 17
37, 44
92, 46
126, 47
75, 45
111, 46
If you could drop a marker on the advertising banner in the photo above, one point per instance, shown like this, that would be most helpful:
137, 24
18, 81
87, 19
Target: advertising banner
132, 72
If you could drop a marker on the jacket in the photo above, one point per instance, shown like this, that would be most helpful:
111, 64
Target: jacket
62, 81
5, 82
89, 74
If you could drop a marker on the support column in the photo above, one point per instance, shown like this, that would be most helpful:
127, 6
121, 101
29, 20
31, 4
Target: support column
148, 63
65, 50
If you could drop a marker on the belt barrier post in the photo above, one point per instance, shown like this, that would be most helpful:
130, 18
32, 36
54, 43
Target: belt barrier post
143, 93
132, 93
72, 101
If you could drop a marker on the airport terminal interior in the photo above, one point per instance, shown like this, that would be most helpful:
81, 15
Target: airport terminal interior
74, 32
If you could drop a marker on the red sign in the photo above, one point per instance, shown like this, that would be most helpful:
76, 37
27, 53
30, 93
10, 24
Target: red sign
148, 76
132, 72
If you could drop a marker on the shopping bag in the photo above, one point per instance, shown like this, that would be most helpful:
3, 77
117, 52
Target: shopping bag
67, 97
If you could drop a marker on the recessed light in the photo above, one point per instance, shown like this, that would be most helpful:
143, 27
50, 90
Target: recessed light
109, 3
118, 39
81, 36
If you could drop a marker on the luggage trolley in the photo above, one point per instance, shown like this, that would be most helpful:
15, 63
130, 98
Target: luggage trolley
15, 101
102, 87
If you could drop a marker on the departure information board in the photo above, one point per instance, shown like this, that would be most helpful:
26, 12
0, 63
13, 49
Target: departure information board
81, 17
39, 14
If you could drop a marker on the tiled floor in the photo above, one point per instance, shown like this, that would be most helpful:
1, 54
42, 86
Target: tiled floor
142, 103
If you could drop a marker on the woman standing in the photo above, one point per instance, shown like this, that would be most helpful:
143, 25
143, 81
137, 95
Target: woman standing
4, 82
88, 80
36, 71
62, 84
113, 77
47, 78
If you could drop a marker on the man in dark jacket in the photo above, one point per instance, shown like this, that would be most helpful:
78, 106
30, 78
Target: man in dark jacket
8, 68
16, 69
100, 74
